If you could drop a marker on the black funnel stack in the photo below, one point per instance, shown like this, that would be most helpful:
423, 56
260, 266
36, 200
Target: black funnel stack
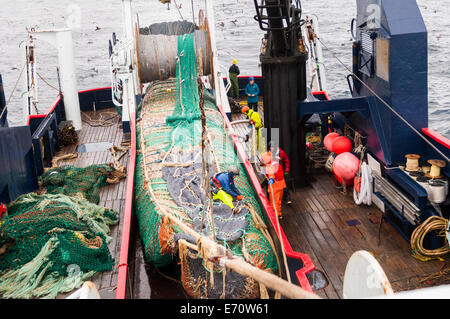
283, 60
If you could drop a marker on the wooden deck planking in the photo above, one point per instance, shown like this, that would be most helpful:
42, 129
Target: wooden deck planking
320, 220
112, 196
316, 224
302, 244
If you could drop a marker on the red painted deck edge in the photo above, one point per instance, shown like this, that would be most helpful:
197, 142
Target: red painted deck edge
98, 89
126, 228
307, 263
321, 93
52, 108
437, 137
35, 116
49, 110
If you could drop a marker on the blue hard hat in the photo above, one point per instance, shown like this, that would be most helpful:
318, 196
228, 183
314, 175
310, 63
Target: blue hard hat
251, 78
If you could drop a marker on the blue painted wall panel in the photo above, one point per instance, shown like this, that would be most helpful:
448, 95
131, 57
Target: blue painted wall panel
17, 169
407, 90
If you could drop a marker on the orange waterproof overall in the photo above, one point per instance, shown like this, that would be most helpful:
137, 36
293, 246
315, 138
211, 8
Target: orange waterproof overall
274, 170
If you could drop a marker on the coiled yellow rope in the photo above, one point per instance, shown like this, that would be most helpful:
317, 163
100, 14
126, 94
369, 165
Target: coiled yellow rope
434, 223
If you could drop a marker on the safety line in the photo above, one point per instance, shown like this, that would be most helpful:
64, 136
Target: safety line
383, 101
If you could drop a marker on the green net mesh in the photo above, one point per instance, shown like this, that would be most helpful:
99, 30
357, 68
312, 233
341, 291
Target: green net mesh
74, 181
51, 244
170, 120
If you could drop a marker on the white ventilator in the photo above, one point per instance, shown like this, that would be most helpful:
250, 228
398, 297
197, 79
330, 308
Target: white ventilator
365, 194
364, 278
87, 291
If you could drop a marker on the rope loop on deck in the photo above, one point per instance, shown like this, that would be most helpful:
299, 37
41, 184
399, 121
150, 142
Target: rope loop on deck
432, 224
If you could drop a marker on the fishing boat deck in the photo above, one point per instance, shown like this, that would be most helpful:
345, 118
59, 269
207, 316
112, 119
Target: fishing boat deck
112, 196
316, 224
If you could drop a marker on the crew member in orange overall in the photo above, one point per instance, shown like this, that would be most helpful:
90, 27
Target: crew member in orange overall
275, 176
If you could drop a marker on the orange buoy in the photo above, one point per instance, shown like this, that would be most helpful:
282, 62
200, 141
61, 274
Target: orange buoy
328, 140
341, 145
345, 167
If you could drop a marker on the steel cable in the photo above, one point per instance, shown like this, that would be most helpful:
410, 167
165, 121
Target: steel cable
12, 92
383, 101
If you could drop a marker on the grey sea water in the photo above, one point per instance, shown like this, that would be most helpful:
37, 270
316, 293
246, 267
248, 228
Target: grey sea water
238, 36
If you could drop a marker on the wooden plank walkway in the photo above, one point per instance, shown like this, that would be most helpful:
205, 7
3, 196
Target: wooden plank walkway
316, 224
241, 129
112, 196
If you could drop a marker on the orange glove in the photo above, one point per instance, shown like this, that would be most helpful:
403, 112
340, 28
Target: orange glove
240, 197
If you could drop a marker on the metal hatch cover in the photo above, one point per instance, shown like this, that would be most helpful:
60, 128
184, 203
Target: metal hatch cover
94, 147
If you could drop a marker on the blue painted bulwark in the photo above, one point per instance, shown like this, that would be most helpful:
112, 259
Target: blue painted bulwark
3, 118
95, 99
341, 105
46, 134
24, 151
17, 170
60, 111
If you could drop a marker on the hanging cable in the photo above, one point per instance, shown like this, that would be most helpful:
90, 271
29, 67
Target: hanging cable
12, 92
193, 11
46, 82
176, 6
384, 102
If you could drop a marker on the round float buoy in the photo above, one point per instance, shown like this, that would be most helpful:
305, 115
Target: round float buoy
341, 145
328, 140
345, 167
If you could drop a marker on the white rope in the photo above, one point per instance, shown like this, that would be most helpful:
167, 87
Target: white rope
365, 194
176, 6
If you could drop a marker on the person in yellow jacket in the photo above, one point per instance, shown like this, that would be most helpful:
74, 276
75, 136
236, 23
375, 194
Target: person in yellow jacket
255, 121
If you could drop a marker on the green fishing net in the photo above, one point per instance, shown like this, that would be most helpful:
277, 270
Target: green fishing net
51, 243
74, 181
169, 123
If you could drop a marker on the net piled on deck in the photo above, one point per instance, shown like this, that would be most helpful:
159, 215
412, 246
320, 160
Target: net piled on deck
85, 182
50, 244
169, 175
